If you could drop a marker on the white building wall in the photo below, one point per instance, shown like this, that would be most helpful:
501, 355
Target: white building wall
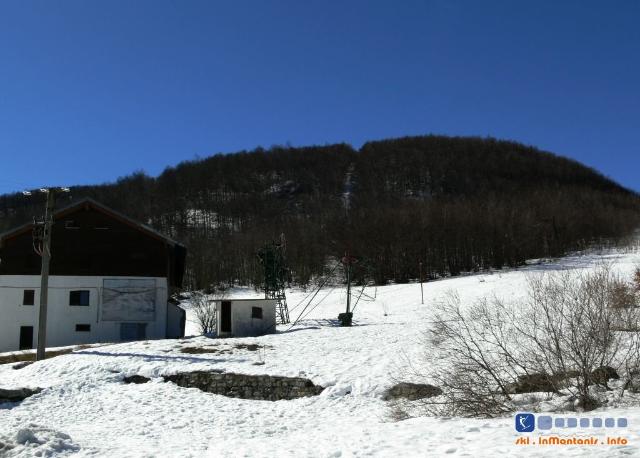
242, 324
62, 317
176, 321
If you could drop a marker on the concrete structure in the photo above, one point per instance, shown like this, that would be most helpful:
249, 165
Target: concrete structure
245, 317
131, 312
111, 279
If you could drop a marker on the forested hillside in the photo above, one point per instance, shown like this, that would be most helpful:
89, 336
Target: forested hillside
454, 204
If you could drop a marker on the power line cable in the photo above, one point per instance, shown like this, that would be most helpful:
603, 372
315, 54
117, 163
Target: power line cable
319, 302
315, 294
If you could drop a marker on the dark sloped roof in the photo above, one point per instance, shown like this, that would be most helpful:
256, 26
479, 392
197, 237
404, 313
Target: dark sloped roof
87, 202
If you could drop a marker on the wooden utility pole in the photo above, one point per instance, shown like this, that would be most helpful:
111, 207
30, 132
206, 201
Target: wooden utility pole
345, 318
44, 274
421, 289
45, 253
348, 285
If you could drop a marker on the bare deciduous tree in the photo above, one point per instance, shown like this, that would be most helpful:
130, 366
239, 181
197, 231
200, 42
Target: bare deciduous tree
204, 310
559, 339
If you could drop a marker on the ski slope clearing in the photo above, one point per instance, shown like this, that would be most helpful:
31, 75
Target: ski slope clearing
85, 408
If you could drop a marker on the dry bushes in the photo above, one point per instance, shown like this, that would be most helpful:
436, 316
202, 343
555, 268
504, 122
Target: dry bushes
204, 310
560, 337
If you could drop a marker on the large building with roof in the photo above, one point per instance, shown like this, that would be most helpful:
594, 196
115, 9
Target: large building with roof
111, 280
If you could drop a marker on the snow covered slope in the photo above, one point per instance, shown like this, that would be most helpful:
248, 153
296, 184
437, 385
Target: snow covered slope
86, 410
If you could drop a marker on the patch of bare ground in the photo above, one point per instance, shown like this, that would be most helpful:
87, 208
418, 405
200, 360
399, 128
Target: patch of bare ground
30, 356
212, 349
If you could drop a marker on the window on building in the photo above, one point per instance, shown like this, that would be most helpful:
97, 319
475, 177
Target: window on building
70, 224
83, 328
256, 312
28, 297
80, 297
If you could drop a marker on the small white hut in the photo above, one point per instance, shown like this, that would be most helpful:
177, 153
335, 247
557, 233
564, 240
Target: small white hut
245, 317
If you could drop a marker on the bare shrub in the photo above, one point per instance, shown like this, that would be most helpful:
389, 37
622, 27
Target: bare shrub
554, 340
398, 410
203, 307
569, 326
623, 294
625, 298
473, 365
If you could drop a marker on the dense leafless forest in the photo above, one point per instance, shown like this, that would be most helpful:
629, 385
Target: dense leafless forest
452, 204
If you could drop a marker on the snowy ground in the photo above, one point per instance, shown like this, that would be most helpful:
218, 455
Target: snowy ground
86, 410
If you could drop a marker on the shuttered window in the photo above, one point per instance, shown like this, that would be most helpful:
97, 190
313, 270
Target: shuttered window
80, 298
28, 297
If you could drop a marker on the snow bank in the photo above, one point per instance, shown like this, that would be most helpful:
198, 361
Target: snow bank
35, 440
84, 396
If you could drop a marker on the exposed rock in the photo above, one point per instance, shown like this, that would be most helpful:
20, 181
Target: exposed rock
137, 379
603, 374
534, 383
21, 365
17, 395
411, 391
260, 387
633, 383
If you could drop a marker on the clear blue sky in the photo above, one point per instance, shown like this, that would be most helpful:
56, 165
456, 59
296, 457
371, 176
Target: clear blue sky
94, 90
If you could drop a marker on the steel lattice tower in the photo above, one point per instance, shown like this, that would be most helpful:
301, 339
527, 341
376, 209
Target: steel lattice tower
276, 276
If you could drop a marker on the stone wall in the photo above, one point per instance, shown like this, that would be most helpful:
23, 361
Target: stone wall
18, 394
260, 387
411, 391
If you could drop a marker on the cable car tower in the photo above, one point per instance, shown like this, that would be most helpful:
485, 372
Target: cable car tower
276, 276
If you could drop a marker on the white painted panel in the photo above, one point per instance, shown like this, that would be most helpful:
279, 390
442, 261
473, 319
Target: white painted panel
126, 299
